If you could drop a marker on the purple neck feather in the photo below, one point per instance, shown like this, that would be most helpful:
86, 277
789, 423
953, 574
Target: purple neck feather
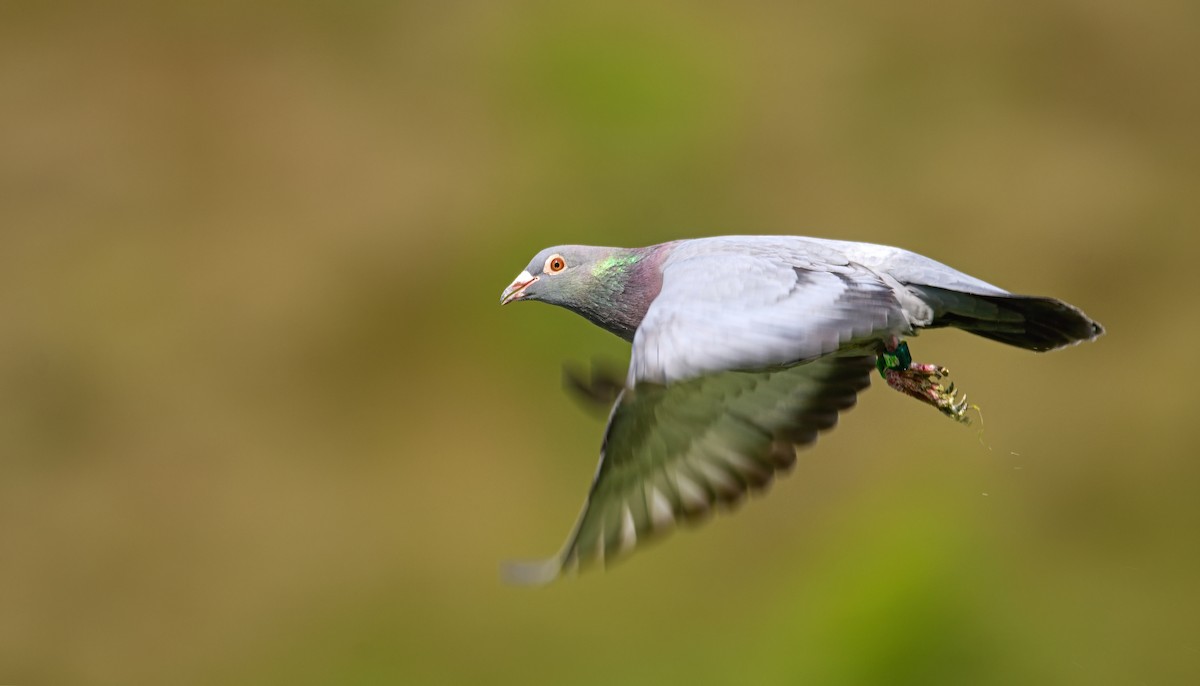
627, 283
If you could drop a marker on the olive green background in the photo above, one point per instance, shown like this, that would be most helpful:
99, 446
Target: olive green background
263, 421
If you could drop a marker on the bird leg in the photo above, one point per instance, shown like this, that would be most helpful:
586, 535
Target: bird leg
920, 381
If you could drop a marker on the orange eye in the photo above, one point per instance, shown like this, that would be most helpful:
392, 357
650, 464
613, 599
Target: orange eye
555, 264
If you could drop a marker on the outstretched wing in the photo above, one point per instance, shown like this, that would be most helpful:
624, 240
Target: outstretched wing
673, 453
758, 305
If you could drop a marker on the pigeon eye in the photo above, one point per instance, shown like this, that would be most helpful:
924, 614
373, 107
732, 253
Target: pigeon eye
555, 264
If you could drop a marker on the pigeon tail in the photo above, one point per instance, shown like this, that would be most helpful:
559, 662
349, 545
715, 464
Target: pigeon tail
1026, 321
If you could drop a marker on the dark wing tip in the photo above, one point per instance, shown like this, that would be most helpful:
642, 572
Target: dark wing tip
531, 573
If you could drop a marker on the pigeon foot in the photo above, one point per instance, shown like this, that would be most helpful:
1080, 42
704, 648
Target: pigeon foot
921, 381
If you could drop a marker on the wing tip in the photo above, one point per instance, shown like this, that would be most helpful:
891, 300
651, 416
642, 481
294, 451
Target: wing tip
531, 573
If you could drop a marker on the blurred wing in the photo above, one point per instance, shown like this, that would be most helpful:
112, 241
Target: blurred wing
731, 311
672, 453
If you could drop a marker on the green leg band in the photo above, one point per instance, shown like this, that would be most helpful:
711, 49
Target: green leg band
899, 358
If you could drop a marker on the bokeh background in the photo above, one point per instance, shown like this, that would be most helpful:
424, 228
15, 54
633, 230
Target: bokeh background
263, 421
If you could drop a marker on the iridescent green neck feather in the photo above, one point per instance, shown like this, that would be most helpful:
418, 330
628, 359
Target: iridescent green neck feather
623, 284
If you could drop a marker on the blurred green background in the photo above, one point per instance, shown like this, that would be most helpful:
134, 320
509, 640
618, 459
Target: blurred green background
263, 421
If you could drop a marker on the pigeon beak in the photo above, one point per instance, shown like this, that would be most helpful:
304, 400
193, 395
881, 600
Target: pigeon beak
516, 290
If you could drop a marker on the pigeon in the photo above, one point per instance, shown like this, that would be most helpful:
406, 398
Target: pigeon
745, 348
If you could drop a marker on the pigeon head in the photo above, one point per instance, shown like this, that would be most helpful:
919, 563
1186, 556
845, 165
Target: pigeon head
564, 275
611, 287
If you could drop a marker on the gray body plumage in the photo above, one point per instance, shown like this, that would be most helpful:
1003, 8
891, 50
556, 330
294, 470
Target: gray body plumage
744, 347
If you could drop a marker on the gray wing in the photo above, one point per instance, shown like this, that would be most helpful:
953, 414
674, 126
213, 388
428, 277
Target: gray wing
673, 453
908, 267
731, 309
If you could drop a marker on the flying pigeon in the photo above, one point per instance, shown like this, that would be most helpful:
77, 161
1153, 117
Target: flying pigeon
745, 348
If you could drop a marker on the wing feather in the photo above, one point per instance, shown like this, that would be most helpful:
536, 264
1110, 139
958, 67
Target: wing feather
732, 311
675, 453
